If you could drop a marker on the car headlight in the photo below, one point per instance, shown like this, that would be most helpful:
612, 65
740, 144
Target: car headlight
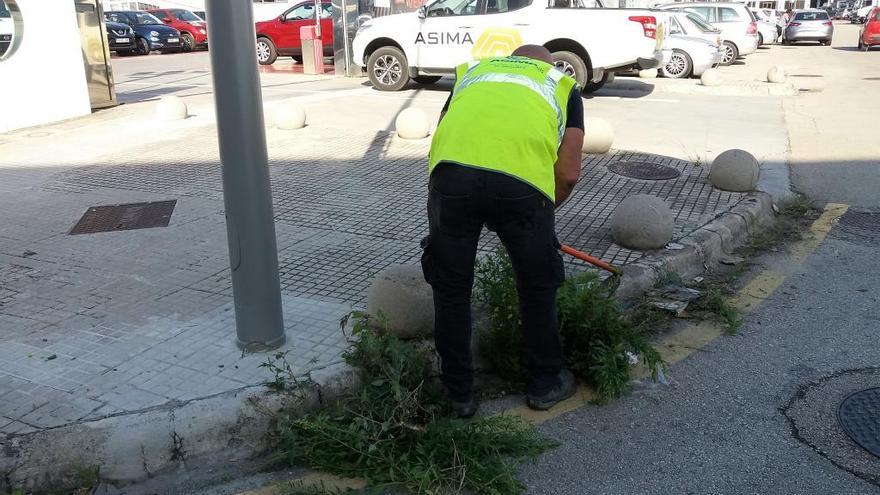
203, 31
154, 33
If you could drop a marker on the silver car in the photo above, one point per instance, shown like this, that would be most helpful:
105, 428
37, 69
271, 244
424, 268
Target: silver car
809, 25
691, 56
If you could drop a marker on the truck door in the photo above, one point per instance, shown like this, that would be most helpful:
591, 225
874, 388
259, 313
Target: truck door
447, 33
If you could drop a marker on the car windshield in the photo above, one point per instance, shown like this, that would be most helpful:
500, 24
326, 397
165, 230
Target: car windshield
701, 24
452, 7
811, 16
142, 18
185, 15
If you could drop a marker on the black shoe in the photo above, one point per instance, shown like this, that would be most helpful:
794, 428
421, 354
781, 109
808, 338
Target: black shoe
566, 388
464, 409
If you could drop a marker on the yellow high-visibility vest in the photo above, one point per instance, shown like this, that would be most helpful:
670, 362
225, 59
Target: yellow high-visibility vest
507, 114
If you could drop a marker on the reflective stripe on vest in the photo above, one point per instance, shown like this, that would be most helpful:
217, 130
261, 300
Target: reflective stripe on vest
546, 90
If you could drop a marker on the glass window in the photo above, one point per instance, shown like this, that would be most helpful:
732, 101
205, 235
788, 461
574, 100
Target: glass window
728, 15
4, 11
114, 17
452, 7
326, 11
701, 24
501, 6
143, 18
675, 27
300, 12
185, 15
811, 16
877, 15
707, 13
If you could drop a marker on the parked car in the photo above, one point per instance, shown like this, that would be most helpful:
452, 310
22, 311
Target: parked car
193, 29
691, 56
587, 43
7, 28
738, 29
150, 33
809, 25
281, 35
121, 38
870, 33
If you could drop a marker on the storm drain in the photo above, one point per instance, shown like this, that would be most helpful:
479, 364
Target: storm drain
859, 415
131, 216
861, 220
871, 78
805, 75
644, 170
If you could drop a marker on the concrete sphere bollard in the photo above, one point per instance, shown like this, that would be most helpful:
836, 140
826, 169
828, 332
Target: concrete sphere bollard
735, 170
412, 123
171, 107
289, 115
777, 74
711, 77
642, 222
404, 299
598, 136
648, 73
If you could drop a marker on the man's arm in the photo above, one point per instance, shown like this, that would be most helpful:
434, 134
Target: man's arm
568, 161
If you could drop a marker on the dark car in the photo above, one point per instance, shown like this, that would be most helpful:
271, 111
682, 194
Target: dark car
150, 33
121, 38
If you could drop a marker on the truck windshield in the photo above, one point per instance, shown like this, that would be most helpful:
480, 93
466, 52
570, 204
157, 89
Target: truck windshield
185, 15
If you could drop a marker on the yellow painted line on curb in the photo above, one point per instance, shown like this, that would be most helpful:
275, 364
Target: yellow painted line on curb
673, 348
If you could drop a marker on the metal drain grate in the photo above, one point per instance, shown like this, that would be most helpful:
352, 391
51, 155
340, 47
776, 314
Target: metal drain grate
861, 220
806, 75
125, 217
859, 415
644, 170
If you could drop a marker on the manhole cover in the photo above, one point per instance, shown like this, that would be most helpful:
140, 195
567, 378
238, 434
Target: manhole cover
125, 217
644, 170
806, 75
859, 415
861, 220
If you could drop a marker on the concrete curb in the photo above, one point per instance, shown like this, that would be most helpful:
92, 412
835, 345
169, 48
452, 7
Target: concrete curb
217, 431
702, 248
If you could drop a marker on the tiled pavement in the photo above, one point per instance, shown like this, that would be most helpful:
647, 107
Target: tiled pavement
101, 324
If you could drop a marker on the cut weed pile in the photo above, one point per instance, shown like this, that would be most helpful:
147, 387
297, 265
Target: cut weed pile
599, 343
393, 430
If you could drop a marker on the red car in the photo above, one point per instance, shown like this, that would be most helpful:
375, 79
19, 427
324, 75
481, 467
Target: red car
193, 29
870, 35
280, 36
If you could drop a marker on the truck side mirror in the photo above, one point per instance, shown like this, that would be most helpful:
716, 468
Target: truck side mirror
423, 12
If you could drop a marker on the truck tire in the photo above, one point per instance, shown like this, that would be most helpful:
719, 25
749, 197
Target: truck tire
572, 65
266, 52
592, 87
427, 79
388, 69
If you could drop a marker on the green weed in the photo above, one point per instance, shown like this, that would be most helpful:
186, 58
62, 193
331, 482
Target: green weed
393, 430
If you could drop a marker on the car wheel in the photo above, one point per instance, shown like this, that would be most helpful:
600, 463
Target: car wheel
760, 39
863, 46
571, 65
427, 79
729, 53
187, 42
143, 46
388, 69
679, 66
297, 58
266, 52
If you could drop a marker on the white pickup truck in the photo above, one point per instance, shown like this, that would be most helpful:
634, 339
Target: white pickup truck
587, 43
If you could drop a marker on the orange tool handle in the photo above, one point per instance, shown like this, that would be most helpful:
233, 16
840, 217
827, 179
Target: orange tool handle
589, 259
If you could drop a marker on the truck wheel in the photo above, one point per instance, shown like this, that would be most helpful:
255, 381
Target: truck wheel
679, 66
571, 65
187, 42
143, 46
427, 79
387, 69
266, 52
729, 53
592, 87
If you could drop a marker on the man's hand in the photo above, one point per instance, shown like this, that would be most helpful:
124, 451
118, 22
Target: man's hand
568, 163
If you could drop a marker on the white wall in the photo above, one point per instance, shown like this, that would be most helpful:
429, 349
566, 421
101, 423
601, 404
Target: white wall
44, 80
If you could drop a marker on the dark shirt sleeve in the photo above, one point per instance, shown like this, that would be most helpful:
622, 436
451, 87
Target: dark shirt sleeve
575, 113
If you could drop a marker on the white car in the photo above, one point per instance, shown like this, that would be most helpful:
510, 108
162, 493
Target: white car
691, 56
767, 33
7, 29
587, 43
738, 29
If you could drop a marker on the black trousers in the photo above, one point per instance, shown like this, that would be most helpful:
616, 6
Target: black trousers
461, 200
